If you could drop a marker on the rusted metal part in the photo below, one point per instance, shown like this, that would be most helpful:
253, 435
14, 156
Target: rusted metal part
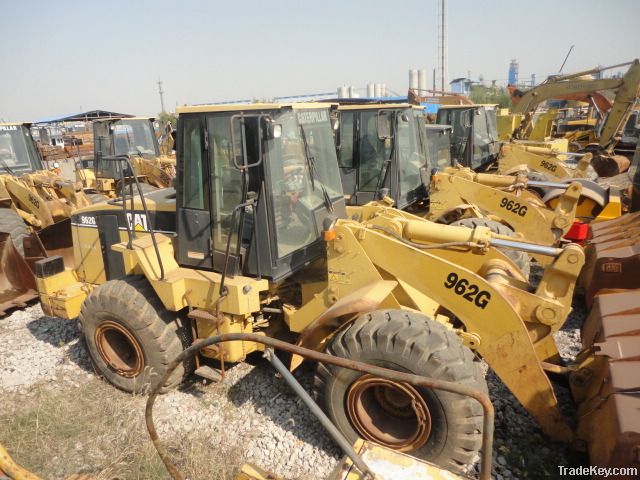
411, 417
392, 375
609, 381
322, 417
608, 268
17, 282
119, 349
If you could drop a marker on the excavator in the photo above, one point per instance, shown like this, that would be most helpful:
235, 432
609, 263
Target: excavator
255, 239
134, 137
33, 200
602, 139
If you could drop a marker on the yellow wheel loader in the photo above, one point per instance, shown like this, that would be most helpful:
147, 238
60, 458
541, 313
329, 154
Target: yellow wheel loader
255, 239
32, 200
134, 137
540, 212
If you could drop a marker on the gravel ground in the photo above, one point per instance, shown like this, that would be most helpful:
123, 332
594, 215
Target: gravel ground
253, 407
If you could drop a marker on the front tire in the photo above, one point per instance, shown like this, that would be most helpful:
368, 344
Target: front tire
131, 337
439, 426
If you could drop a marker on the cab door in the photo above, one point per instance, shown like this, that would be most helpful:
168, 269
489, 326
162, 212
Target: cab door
347, 156
195, 247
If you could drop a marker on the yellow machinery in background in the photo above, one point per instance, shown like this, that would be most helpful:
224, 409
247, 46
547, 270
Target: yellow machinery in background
601, 140
132, 137
456, 193
32, 200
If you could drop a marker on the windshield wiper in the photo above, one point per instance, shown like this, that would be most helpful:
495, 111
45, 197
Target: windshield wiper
311, 166
6, 167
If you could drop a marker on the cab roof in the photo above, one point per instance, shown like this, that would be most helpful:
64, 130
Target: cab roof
237, 107
16, 124
477, 105
374, 106
97, 120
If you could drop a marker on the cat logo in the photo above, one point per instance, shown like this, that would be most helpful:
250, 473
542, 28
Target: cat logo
138, 222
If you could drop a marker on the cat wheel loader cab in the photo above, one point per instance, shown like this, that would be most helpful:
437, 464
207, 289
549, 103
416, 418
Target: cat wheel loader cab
474, 138
381, 147
18, 151
255, 239
134, 137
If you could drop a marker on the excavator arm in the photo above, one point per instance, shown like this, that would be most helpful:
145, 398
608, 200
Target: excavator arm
575, 87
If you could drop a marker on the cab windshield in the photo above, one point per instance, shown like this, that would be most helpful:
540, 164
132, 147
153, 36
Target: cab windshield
304, 175
439, 146
411, 154
17, 149
134, 137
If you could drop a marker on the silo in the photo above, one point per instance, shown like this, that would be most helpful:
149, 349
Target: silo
377, 90
371, 91
342, 91
383, 90
350, 91
413, 79
422, 81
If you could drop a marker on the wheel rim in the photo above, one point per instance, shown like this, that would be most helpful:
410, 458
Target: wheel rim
119, 349
392, 414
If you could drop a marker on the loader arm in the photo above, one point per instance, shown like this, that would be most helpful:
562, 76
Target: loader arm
519, 209
486, 297
516, 157
159, 172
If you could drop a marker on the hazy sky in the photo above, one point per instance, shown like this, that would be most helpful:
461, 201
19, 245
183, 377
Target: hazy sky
63, 56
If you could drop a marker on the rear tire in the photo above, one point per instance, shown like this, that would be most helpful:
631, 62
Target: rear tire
12, 223
409, 342
131, 337
521, 259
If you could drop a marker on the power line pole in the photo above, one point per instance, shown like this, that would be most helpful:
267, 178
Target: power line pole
442, 43
161, 92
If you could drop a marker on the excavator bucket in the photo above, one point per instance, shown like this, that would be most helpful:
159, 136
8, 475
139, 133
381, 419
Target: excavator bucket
607, 382
17, 282
612, 256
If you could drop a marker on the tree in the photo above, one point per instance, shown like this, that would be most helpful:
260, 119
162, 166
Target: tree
492, 94
168, 117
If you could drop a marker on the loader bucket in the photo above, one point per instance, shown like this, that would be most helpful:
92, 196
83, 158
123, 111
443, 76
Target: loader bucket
17, 282
55, 239
17, 279
607, 165
607, 414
